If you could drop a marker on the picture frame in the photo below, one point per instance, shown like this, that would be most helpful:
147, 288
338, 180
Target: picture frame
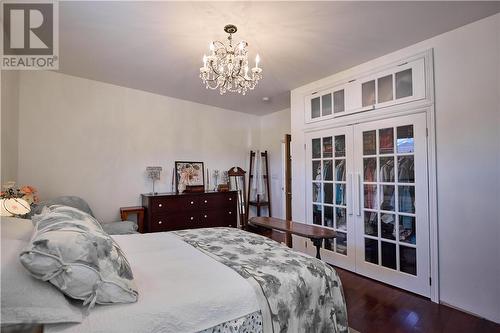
189, 175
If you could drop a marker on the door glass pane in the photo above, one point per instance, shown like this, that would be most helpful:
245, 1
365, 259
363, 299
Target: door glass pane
316, 192
387, 169
388, 198
329, 244
368, 93
327, 147
328, 195
342, 243
340, 194
326, 104
315, 108
404, 141
407, 231
370, 169
316, 170
340, 170
385, 89
406, 200
371, 250
388, 255
369, 143
328, 217
316, 148
388, 226
408, 259
386, 141
406, 172
317, 214
370, 195
340, 146
338, 101
340, 216
371, 223
328, 170
404, 84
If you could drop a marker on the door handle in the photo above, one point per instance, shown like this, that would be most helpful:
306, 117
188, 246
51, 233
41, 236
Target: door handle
350, 193
358, 194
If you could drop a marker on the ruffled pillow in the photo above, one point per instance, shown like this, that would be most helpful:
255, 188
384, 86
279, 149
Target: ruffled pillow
70, 249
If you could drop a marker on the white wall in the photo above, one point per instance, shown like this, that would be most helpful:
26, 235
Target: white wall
467, 104
273, 128
94, 140
9, 125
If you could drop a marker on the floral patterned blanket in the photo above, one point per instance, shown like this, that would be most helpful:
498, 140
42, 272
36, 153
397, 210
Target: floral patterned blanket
297, 293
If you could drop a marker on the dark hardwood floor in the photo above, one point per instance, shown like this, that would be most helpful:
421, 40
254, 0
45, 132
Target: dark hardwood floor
374, 307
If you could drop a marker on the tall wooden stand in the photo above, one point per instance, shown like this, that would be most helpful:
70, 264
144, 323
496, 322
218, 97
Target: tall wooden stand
258, 202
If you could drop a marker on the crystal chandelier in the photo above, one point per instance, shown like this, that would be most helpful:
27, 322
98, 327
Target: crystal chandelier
227, 69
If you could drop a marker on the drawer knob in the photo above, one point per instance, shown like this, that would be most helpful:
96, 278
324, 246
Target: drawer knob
205, 216
192, 202
230, 199
230, 212
206, 201
192, 218
160, 222
160, 205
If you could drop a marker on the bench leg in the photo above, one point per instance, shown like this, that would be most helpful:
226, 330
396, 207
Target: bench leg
288, 239
317, 243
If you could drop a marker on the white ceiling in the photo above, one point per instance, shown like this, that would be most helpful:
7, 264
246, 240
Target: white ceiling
158, 46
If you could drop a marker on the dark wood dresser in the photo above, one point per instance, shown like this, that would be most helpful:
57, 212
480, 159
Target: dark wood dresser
173, 211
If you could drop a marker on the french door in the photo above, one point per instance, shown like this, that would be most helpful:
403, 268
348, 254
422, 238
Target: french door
369, 183
330, 196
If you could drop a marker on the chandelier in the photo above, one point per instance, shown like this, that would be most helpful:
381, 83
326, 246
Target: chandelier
226, 67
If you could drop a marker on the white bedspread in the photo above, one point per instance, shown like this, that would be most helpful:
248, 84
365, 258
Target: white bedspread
180, 290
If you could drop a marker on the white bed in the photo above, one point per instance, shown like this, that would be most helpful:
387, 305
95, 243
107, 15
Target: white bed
195, 280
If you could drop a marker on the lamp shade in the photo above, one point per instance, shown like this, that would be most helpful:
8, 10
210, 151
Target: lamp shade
14, 206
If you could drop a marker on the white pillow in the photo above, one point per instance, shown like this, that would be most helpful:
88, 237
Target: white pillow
120, 228
70, 249
26, 299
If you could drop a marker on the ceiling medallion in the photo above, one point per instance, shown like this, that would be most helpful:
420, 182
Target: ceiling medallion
226, 68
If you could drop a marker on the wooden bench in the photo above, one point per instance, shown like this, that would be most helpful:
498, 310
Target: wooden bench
315, 233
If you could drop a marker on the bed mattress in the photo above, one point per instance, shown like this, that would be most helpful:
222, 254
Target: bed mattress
180, 290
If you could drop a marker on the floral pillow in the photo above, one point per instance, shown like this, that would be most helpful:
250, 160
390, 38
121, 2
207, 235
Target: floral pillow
70, 249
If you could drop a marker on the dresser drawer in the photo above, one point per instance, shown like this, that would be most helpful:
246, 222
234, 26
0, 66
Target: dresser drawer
218, 218
225, 217
174, 204
177, 222
217, 201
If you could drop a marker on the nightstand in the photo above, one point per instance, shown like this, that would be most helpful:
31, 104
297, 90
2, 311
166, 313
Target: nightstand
139, 211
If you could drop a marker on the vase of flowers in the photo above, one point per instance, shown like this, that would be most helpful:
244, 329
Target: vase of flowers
17, 201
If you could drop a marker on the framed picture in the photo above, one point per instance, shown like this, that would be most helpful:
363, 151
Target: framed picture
189, 174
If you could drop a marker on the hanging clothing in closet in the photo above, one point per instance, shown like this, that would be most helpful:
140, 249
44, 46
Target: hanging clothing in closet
370, 175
